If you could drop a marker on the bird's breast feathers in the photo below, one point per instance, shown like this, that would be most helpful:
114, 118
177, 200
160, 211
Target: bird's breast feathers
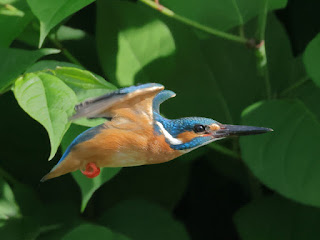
129, 145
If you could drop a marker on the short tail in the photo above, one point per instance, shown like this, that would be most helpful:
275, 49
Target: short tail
64, 167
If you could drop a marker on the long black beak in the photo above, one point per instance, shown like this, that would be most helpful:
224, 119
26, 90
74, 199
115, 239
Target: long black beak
239, 130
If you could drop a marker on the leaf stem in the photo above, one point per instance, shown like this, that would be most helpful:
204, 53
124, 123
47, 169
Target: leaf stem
261, 48
65, 51
263, 20
226, 151
194, 24
294, 86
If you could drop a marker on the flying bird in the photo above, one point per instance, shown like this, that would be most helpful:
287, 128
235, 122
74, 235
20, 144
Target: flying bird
135, 133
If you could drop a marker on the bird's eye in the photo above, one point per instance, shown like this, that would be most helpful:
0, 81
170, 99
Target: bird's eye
199, 128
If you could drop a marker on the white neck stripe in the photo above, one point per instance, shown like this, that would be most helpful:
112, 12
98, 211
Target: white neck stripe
168, 136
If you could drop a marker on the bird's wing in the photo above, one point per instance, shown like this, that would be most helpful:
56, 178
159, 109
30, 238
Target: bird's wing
131, 102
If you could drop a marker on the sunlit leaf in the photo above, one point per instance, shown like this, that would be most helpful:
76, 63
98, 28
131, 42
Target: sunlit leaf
50, 13
49, 101
84, 83
142, 39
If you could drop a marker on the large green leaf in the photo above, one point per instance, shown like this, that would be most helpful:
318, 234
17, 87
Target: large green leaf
142, 39
50, 13
311, 59
277, 218
142, 220
203, 72
15, 61
87, 186
287, 159
13, 20
163, 183
49, 101
219, 14
96, 232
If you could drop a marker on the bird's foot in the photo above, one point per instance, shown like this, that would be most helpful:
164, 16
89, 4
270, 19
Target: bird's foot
91, 170
160, 7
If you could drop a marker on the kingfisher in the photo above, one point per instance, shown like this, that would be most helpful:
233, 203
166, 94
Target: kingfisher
135, 133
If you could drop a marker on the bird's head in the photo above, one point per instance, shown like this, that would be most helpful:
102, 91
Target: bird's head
189, 133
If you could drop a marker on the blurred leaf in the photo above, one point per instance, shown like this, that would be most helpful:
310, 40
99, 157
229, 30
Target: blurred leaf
50, 13
286, 159
222, 15
49, 101
19, 229
96, 232
88, 186
277, 218
84, 83
284, 69
15, 61
142, 39
311, 59
141, 220
8, 206
13, 19
164, 183
309, 94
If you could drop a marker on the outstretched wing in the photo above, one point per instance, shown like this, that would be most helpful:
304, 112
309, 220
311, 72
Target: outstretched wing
135, 100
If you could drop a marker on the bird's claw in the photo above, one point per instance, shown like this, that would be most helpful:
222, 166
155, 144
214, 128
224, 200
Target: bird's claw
91, 170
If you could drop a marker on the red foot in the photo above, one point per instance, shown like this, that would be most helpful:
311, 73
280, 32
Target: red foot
91, 170
160, 7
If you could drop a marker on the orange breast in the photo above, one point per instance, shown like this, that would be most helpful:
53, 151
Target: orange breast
122, 147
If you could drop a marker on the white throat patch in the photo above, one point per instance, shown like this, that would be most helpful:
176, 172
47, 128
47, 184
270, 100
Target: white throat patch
168, 136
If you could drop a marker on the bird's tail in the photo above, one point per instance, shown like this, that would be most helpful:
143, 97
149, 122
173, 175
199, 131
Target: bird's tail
64, 167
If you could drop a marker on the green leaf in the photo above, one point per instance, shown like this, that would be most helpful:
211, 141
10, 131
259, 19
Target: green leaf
8, 206
87, 186
84, 83
277, 218
49, 101
50, 13
311, 59
90, 231
221, 15
142, 220
13, 19
286, 160
148, 182
45, 65
212, 63
15, 61
142, 39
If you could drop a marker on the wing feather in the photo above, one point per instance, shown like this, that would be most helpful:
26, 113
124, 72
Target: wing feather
135, 100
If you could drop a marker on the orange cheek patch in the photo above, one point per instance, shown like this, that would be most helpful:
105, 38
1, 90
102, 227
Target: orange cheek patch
187, 136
